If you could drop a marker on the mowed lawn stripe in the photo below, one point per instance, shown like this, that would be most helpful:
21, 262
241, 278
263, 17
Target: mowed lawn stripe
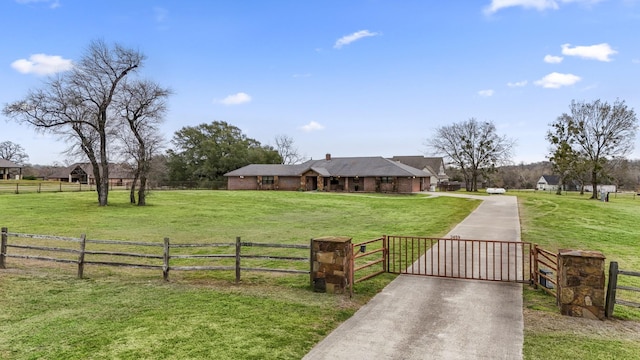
132, 313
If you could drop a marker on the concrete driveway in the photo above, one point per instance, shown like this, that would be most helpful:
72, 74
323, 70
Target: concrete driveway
418, 317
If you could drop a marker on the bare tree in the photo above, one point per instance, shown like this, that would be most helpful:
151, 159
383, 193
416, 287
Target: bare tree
13, 152
601, 132
142, 105
287, 150
78, 105
474, 147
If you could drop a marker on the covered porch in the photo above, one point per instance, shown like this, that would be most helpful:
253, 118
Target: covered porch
9, 168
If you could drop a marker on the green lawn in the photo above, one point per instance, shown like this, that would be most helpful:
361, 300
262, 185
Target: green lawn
133, 314
572, 221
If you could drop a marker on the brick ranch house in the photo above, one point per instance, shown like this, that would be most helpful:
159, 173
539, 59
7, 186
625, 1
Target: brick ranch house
432, 165
349, 174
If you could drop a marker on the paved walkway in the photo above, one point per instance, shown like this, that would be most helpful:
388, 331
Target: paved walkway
417, 317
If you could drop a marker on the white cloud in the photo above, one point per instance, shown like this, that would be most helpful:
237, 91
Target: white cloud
550, 59
486, 93
53, 4
539, 5
312, 126
600, 52
557, 80
42, 64
527, 4
518, 83
305, 75
235, 99
348, 39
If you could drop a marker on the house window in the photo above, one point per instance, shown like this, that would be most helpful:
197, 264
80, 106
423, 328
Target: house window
386, 179
267, 180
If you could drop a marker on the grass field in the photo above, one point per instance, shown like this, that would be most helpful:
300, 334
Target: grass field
132, 313
572, 221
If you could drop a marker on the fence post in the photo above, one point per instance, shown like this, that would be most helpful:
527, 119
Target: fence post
17, 188
83, 245
3, 247
165, 260
352, 273
536, 271
238, 246
385, 253
311, 262
611, 289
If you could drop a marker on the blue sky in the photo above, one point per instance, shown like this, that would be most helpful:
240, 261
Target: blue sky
350, 78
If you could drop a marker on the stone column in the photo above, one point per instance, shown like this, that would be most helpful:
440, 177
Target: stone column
581, 283
331, 265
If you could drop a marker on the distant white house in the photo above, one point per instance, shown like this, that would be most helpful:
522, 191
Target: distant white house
551, 183
548, 183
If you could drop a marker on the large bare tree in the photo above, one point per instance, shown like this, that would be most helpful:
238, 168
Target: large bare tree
601, 132
472, 146
13, 152
287, 150
142, 107
77, 105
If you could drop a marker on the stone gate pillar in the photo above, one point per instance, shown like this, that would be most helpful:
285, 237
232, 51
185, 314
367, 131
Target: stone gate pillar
331, 265
581, 283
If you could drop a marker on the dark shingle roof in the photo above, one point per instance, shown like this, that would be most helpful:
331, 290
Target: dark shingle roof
8, 164
266, 170
552, 179
432, 164
349, 166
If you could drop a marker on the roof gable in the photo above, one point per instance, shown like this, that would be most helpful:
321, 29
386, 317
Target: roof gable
551, 179
435, 165
8, 164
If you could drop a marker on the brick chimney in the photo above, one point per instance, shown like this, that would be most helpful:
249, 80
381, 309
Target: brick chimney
327, 157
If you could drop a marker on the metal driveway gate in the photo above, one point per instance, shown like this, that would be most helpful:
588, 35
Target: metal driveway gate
491, 260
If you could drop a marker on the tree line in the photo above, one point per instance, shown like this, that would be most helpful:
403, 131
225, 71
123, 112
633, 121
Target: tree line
107, 113
589, 145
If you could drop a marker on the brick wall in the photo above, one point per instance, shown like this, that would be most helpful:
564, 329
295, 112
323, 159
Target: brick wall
247, 183
290, 183
408, 185
369, 184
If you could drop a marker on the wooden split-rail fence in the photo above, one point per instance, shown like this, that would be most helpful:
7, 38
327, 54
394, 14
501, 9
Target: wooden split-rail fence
545, 270
72, 250
613, 286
